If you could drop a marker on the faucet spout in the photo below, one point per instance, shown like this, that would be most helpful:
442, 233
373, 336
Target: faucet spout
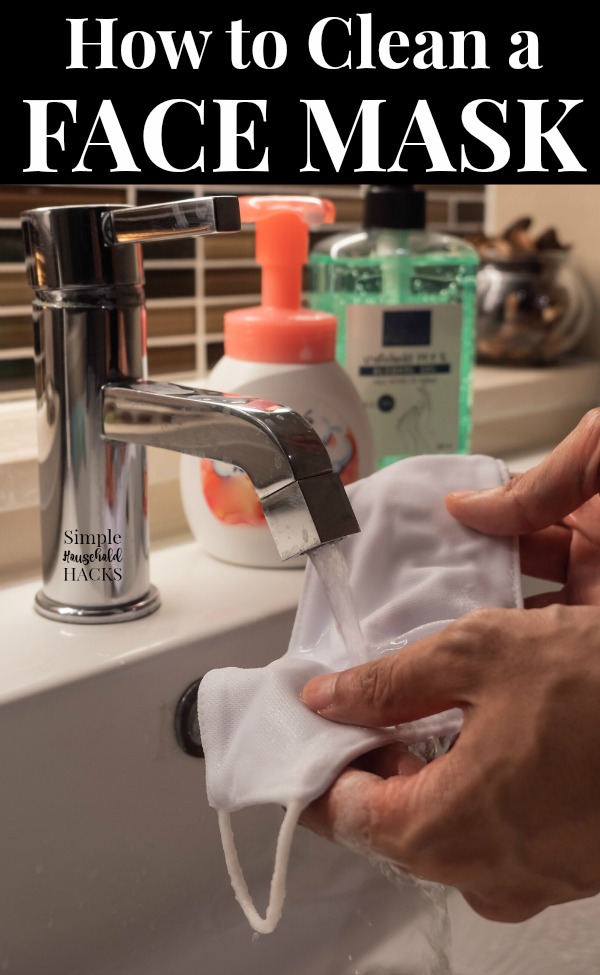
304, 501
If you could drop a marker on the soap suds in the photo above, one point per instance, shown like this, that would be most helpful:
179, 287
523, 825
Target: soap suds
353, 821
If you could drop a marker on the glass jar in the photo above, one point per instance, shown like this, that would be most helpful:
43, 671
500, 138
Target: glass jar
532, 307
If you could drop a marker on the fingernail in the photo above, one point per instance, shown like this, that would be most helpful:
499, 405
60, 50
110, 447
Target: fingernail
318, 693
467, 495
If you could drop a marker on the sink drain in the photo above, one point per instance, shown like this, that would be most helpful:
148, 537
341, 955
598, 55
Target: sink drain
187, 729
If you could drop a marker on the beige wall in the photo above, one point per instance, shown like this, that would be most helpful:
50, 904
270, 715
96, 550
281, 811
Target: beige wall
574, 212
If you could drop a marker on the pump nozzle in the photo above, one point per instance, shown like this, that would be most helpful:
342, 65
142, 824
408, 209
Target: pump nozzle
312, 209
282, 241
280, 329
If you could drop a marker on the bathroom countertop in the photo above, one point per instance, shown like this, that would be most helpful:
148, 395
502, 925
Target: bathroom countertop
200, 597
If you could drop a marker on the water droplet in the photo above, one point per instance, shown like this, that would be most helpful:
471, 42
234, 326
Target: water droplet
39, 868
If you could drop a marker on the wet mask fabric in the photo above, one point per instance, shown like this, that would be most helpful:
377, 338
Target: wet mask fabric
411, 570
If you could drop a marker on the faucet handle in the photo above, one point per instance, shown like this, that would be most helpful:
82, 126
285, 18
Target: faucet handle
71, 246
165, 221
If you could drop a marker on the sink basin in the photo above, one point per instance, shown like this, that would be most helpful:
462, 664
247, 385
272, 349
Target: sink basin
111, 857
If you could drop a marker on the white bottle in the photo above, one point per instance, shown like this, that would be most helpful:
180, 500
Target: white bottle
284, 353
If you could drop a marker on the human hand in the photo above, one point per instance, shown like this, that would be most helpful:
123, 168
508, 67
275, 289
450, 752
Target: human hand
511, 815
555, 508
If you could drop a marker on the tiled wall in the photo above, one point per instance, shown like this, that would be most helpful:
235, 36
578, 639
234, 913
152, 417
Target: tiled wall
189, 284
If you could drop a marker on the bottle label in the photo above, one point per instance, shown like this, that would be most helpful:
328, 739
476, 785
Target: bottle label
230, 494
405, 363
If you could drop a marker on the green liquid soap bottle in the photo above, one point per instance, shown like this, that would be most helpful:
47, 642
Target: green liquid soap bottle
404, 298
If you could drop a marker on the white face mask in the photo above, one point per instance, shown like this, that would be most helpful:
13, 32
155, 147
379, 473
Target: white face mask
412, 570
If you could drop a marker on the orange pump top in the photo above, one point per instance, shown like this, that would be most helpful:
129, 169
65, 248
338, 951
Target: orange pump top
280, 329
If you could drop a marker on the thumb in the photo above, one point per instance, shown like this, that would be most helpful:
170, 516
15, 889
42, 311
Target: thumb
560, 484
423, 679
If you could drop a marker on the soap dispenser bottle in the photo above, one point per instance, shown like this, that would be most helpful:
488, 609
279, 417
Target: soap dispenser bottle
283, 352
405, 302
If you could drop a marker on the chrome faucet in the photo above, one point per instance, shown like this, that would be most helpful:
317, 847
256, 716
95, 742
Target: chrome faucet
97, 413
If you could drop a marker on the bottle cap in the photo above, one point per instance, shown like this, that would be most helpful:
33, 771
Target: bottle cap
394, 207
280, 329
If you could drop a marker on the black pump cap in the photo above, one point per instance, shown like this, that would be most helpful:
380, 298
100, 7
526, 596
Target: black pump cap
399, 207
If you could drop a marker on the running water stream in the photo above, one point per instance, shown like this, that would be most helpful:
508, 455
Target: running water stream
331, 567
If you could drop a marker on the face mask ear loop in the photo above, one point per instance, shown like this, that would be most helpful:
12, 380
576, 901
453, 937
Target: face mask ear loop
267, 924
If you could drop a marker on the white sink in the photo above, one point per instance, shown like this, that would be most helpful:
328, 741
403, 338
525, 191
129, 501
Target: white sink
111, 860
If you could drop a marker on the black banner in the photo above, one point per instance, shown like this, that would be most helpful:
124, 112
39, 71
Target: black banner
187, 95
